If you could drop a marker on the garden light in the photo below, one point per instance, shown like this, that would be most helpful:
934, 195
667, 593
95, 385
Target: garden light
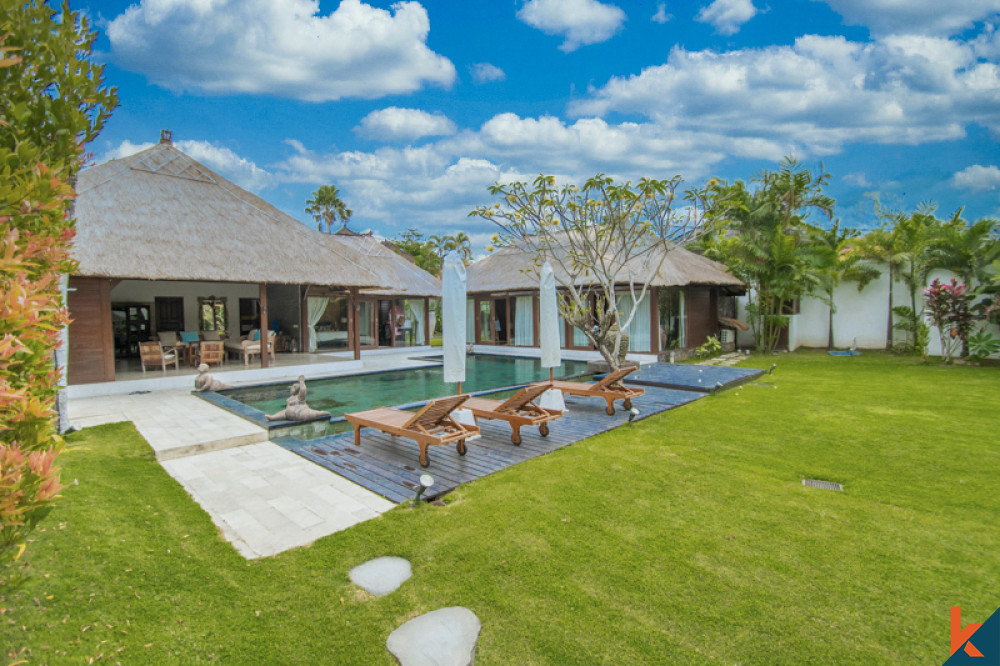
426, 481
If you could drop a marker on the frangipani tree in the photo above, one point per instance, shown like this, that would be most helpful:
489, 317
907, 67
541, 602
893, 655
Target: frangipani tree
600, 237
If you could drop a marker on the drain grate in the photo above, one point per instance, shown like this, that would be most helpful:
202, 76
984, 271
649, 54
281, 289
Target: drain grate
823, 485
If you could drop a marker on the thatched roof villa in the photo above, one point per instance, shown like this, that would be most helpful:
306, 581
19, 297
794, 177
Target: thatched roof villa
166, 244
688, 293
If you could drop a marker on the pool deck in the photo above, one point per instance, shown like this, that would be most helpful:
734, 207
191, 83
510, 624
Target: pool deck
266, 499
389, 466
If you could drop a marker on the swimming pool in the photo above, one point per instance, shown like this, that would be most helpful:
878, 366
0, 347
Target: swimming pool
351, 393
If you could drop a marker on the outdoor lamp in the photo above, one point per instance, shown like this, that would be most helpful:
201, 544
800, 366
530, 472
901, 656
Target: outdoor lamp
632, 413
426, 481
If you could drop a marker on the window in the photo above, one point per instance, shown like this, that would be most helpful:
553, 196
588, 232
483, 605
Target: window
212, 314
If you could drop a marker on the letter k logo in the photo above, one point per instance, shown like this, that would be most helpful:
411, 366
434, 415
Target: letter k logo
959, 636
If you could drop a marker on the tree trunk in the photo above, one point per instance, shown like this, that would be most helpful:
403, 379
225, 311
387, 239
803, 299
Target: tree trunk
888, 324
829, 338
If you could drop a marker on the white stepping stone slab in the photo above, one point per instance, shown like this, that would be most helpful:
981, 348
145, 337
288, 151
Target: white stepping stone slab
381, 575
444, 637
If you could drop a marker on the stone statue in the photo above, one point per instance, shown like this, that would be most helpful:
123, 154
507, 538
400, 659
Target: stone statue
206, 382
296, 408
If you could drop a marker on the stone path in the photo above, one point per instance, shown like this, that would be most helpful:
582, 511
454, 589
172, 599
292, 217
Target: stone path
727, 360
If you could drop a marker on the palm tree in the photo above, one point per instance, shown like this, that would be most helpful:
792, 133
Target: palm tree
966, 249
326, 206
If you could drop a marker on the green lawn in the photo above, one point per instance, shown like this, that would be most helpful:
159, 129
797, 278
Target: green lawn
685, 538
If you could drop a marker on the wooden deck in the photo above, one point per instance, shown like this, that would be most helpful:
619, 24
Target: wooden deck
389, 466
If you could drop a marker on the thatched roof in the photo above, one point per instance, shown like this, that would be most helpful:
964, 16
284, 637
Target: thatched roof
160, 215
513, 268
394, 268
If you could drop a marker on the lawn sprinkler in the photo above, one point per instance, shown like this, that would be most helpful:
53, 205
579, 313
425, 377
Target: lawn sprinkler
632, 413
426, 481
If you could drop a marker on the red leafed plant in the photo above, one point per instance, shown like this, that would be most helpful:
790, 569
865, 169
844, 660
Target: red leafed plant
949, 307
52, 102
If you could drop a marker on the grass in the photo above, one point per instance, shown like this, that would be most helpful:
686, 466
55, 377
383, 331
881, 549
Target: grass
685, 538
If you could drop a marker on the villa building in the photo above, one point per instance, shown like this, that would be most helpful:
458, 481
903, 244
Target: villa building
165, 244
686, 297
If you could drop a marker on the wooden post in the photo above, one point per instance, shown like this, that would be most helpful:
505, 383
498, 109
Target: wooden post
265, 359
355, 325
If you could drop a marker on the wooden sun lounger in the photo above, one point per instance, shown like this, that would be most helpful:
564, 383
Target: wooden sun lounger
432, 425
610, 388
518, 410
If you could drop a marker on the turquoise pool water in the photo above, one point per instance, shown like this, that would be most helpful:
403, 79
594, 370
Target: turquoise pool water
351, 393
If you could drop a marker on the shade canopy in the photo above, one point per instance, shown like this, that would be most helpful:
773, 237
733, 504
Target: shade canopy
453, 317
548, 319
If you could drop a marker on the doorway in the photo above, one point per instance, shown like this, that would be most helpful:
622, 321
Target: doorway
169, 313
500, 321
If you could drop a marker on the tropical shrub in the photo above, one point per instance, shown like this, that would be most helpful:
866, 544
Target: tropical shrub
982, 345
51, 103
711, 347
949, 307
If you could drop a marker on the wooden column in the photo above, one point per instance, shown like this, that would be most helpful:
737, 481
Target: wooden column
265, 358
355, 323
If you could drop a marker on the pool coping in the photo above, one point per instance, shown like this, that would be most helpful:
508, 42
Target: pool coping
259, 418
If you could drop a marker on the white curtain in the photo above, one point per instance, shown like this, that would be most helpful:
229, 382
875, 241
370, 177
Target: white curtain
562, 332
415, 313
315, 307
470, 320
638, 330
524, 322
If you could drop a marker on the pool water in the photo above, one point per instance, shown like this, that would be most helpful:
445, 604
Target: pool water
352, 393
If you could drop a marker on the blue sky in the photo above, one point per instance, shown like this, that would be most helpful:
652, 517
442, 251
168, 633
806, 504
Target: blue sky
413, 108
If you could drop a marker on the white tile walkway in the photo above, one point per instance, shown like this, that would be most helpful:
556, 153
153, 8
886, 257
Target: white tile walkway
262, 497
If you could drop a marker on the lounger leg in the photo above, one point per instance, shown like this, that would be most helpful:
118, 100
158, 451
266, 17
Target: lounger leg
460, 447
611, 406
543, 430
357, 435
424, 458
628, 403
515, 434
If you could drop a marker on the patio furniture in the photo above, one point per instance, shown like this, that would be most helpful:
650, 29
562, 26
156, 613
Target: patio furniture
247, 346
518, 410
211, 336
170, 342
210, 352
432, 425
610, 388
151, 353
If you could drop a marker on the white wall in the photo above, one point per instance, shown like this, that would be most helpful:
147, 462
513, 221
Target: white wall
859, 316
145, 291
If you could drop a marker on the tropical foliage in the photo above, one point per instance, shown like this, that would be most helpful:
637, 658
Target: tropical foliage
949, 307
52, 103
428, 253
760, 232
326, 208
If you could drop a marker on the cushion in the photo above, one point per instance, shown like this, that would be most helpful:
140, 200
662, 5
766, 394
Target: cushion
189, 336
255, 336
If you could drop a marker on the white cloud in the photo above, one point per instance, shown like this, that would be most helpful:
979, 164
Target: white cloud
484, 72
408, 124
726, 16
220, 159
857, 179
978, 177
279, 47
581, 22
661, 15
932, 17
816, 95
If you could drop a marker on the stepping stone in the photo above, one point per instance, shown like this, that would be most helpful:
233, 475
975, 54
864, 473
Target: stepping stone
444, 637
381, 575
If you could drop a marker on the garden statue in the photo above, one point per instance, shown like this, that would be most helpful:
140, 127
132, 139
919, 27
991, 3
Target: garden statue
296, 408
206, 382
